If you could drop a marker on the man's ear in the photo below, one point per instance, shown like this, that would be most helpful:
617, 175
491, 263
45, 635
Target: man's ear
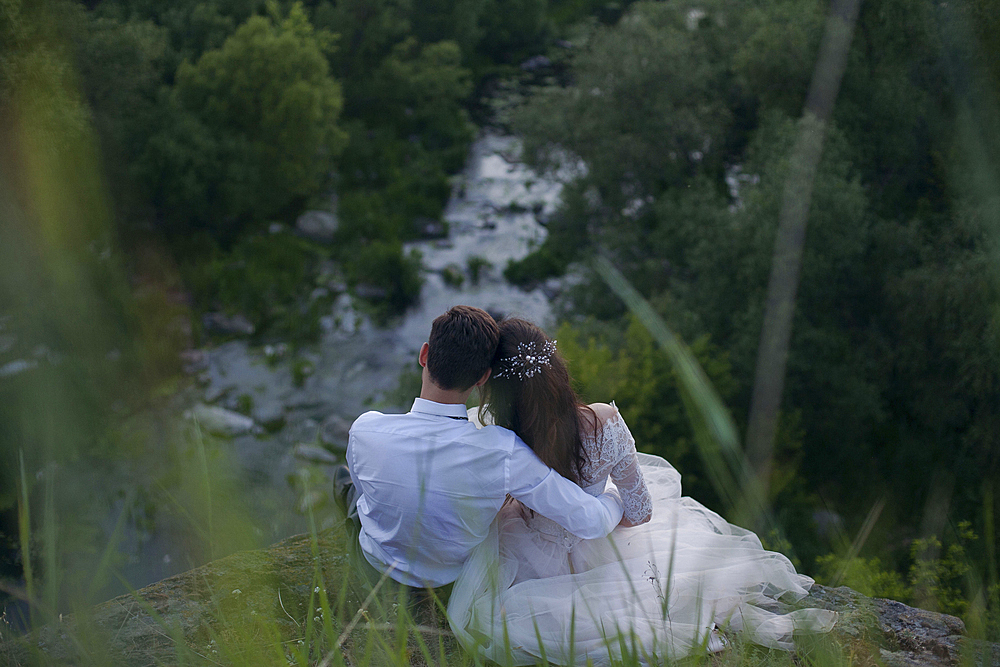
422, 357
482, 380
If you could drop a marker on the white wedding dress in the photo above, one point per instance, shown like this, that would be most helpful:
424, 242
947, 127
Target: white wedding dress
657, 591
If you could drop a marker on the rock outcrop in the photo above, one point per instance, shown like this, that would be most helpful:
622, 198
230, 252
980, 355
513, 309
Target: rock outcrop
274, 593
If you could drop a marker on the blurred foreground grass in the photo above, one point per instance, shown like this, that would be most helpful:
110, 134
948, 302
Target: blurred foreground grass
86, 456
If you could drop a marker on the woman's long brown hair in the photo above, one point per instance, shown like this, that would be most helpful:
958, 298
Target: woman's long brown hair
542, 409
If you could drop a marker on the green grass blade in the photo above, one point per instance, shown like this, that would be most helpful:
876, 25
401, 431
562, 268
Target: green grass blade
714, 429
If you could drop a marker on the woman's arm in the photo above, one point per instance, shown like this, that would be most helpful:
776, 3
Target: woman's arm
618, 446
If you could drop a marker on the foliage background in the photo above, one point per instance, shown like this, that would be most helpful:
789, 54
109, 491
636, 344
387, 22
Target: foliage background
148, 147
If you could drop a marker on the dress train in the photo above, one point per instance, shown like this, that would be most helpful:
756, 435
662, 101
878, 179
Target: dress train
655, 591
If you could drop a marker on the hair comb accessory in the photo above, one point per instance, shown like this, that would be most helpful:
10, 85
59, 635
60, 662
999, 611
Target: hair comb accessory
529, 360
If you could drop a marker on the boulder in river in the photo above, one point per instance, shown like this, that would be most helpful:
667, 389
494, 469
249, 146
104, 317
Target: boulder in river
535, 63
17, 366
269, 413
221, 422
232, 325
317, 225
370, 292
315, 454
334, 430
430, 228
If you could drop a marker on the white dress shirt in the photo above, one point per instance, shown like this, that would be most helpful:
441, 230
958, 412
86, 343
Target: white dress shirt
430, 483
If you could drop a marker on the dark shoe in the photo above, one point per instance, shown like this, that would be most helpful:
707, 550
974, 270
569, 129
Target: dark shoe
343, 488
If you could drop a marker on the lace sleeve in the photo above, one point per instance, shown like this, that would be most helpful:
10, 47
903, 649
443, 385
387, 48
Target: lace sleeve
625, 473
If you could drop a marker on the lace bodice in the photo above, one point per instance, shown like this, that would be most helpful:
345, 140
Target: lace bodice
610, 452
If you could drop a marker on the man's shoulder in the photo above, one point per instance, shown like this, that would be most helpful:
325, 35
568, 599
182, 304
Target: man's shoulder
374, 419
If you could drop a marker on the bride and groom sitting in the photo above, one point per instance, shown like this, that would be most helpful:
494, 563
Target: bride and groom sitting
556, 537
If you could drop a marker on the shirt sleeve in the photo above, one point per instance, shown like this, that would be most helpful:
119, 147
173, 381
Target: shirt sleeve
552, 495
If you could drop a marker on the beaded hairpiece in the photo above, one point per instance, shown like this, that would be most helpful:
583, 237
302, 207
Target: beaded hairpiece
529, 359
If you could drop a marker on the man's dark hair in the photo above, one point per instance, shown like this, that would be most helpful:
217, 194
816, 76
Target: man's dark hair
462, 344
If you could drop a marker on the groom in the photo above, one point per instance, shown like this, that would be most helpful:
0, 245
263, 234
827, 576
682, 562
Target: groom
426, 485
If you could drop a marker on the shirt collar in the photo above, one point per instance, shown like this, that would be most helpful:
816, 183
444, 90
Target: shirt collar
454, 410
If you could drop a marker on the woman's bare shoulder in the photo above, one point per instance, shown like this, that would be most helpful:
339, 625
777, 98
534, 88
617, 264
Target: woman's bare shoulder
603, 411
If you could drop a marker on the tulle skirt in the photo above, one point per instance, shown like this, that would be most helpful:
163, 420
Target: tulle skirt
655, 591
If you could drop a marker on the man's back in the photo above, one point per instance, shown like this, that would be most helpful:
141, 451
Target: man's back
430, 486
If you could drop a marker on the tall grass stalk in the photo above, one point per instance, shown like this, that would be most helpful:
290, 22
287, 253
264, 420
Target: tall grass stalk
104, 565
53, 574
714, 430
859, 541
786, 263
206, 483
24, 537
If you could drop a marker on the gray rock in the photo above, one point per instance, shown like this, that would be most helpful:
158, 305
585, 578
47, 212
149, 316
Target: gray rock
370, 292
431, 228
535, 63
333, 432
167, 622
552, 288
919, 637
17, 366
269, 414
979, 653
7, 342
193, 361
219, 421
276, 351
237, 325
314, 454
317, 225
214, 392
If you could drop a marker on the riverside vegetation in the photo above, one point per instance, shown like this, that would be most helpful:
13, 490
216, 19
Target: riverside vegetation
155, 158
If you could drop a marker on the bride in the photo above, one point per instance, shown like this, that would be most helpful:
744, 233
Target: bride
661, 586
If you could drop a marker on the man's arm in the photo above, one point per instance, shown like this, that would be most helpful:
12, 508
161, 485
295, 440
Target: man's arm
552, 495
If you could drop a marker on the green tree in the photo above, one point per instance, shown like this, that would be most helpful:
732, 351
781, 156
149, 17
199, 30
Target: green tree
409, 131
368, 29
776, 61
420, 91
253, 125
192, 26
512, 30
451, 20
648, 108
120, 67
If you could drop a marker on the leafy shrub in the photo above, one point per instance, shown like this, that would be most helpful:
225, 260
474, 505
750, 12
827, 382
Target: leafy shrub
868, 576
452, 275
265, 278
475, 267
383, 265
534, 268
301, 369
937, 578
